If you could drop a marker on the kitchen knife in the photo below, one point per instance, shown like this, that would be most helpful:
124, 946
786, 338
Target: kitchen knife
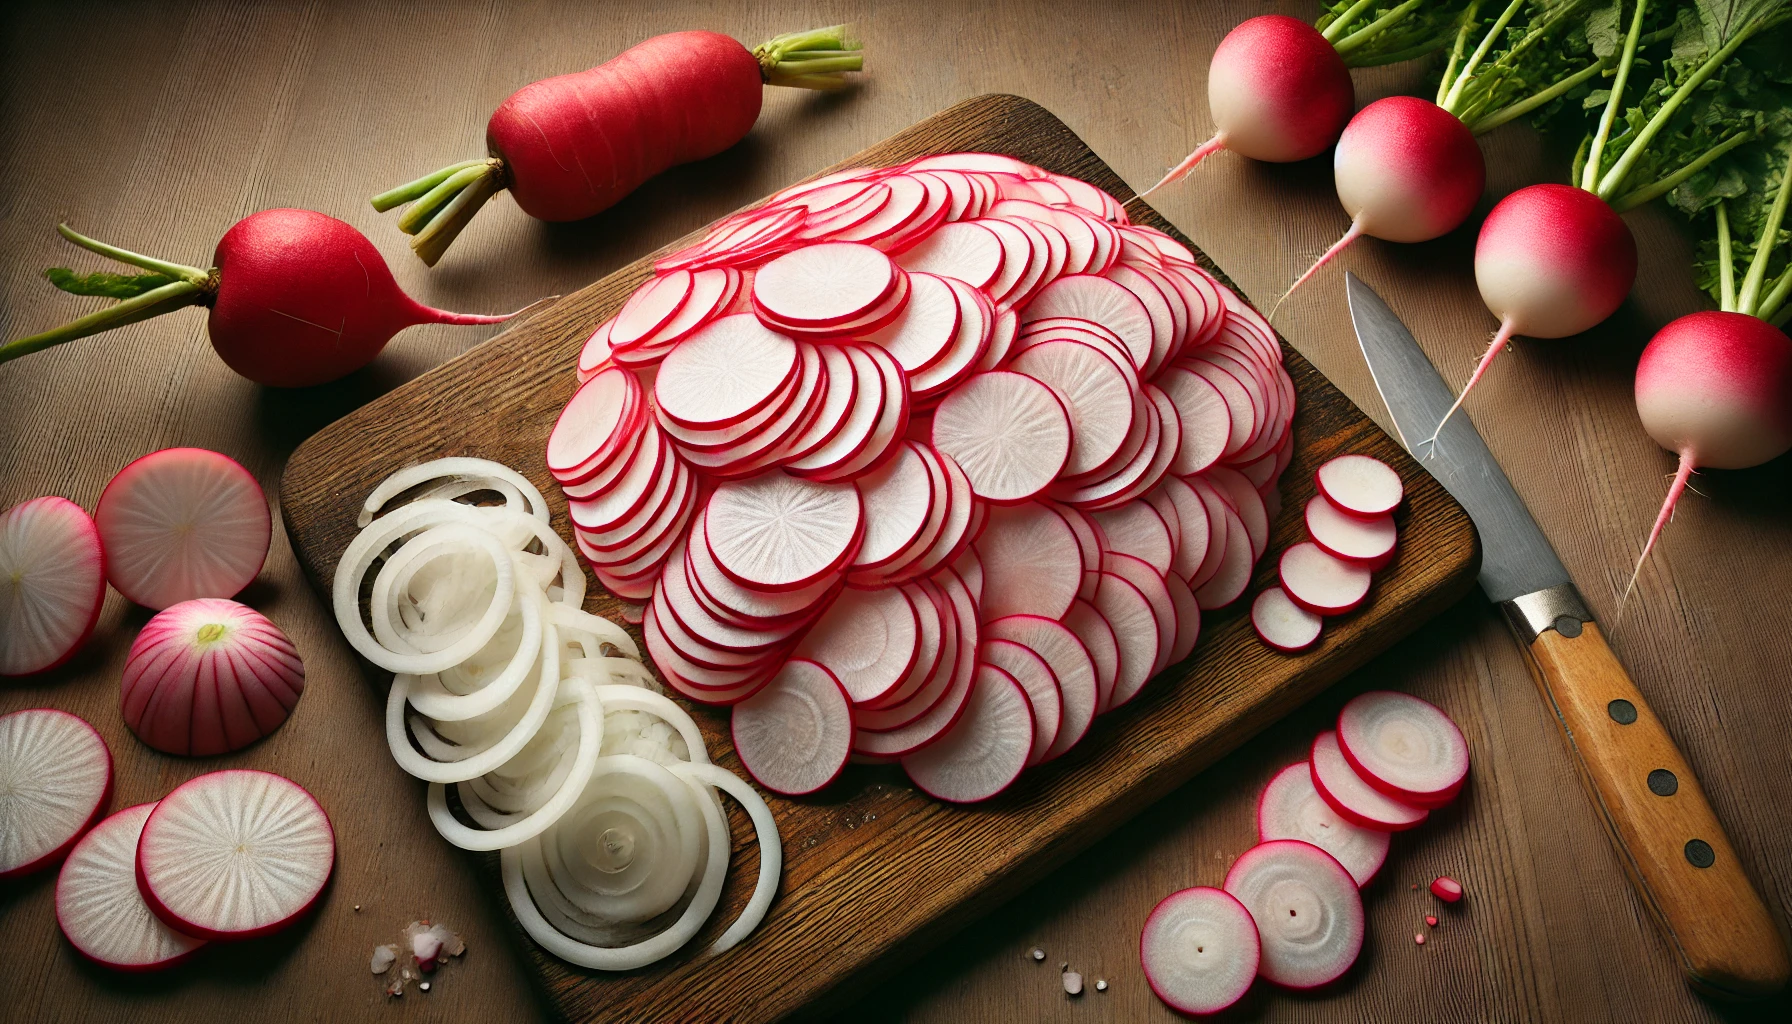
1653, 808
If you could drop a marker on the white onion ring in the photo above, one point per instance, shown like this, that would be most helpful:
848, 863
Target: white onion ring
469, 470
771, 848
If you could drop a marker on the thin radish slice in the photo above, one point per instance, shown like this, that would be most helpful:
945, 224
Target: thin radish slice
651, 307
794, 735
1091, 544
1070, 664
1233, 572
966, 251
1095, 393
1308, 912
1347, 536
1405, 747
1193, 528
1321, 583
777, 532
1104, 650
1206, 419
596, 424
183, 523
922, 334
869, 641
724, 373
1129, 615
1035, 677
595, 357
1008, 432
52, 584
887, 433
898, 500
1032, 563
1200, 950
976, 323
235, 854
1156, 594
1360, 485
1188, 617
1137, 529
1096, 298
209, 676
931, 618
984, 752
55, 782
1282, 624
1354, 799
824, 284
842, 390
100, 909
1244, 499
1291, 808
934, 709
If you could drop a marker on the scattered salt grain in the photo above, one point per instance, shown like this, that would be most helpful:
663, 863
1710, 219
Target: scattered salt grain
1038, 954
1073, 983
1101, 984
424, 986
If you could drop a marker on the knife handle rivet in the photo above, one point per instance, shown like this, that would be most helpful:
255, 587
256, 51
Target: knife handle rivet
1568, 626
1622, 711
1699, 853
1663, 783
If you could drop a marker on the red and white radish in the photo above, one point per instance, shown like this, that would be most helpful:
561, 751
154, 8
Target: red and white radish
209, 676
1032, 563
1035, 677
1446, 888
794, 735
100, 909
1321, 583
1403, 746
1200, 950
52, 584
55, 782
1071, 666
1307, 909
1353, 798
1008, 432
1360, 485
1282, 624
985, 751
1291, 808
183, 523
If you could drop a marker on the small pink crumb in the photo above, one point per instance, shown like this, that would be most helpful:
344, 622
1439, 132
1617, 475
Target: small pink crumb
1420, 939
1430, 921
1415, 887
1447, 889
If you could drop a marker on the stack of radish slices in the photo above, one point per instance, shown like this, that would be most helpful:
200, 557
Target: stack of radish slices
931, 463
1290, 911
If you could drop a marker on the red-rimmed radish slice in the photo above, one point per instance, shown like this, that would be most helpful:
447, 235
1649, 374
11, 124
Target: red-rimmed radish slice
793, 736
1128, 613
209, 676
1308, 912
1096, 298
55, 782
1104, 650
1097, 396
924, 332
887, 433
898, 499
1003, 331
101, 911
724, 373
1032, 563
1282, 624
907, 203
1200, 950
1206, 419
934, 708
1241, 410
1446, 888
1157, 309
1071, 666
1291, 808
1232, 572
862, 419
1321, 583
1238, 492
1360, 485
926, 599
967, 251
745, 603
955, 530
869, 641
52, 584
1405, 747
649, 477
823, 284
1347, 536
1008, 432
1137, 529
651, 307
183, 523
976, 321
1354, 799
778, 532
985, 750
1156, 594
644, 435
596, 355
1090, 542
841, 391
1035, 677
595, 425
1193, 529
1018, 256
711, 291
234, 855
1188, 617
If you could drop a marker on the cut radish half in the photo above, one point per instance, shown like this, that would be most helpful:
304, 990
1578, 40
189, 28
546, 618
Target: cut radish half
1360, 485
52, 583
1354, 799
1088, 297
1035, 677
1008, 432
724, 373
235, 854
1347, 536
1032, 563
1308, 912
779, 532
100, 909
824, 284
868, 640
55, 782
1200, 950
1405, 747
1446, 888
1071, 666
209, 676
183, 523
985, 750
1291, 808
1282, 624
1321, 583
794, 735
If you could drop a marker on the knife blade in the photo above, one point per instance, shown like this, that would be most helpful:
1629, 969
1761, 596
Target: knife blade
1645, 794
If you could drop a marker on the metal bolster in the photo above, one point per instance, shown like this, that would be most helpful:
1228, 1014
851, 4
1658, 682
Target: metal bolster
1559, 608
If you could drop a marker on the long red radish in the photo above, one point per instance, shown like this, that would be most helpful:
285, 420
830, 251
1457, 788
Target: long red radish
1282, 624
1291, 808
234, 855
209, 676
1200, 950
1405, 747
1353, 798
55, 782
99, 908
1307, 909
296, 298
183, 523
985, 751
1008, 432
794, 735
571, 146
52, 584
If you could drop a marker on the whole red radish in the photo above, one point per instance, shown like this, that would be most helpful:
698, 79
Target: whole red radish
571, 146
296, 298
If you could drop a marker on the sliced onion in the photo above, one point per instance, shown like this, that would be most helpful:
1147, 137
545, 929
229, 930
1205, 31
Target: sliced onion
771, 848
465, 470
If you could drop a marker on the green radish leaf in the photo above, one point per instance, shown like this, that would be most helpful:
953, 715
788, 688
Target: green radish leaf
107, 285
1722, 20
1605, 29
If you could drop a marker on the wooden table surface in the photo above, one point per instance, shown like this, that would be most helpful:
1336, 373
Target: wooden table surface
157, 125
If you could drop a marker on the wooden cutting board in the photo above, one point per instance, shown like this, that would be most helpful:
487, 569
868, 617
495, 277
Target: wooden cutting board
874, 871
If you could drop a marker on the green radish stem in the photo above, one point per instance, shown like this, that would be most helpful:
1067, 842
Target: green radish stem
419, 188
1726, 269
1337, 25
1747, 299
1449, 76
1636, 198
1374, 28
1590, 175
1467, 73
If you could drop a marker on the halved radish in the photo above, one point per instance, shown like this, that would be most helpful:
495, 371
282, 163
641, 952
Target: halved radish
55, 782
1405, 747
829, 283
209, 676
183, 523
985, 750
52, 584
868, 640
1200, 950
1307, 909
1008, 432
100, 909
1354, 799
1322, 583
779, 532
1360, 485
724, 373
794, 735
1282, 624
1032, 563
235, 854
1035, 677
1071, 666
1291, 808
1360, 539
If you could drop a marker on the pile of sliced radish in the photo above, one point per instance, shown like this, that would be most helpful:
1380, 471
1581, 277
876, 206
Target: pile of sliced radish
951, 447
561, 749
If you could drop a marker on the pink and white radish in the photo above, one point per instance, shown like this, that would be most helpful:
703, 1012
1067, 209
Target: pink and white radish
100, 909
781, 533
1291, 808
55, 782
183, 523
985, 751
1008, 432
1307, 909
1351, 796
1404, 747
52, 584
794, 735
1200, 950
1352, 538
1282, 624
209, 676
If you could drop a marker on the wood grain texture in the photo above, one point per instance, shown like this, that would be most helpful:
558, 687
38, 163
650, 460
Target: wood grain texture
155, 124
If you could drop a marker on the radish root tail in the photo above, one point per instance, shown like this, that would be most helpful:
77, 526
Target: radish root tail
1499, 342
1678, 487
1355, 232
1180, 171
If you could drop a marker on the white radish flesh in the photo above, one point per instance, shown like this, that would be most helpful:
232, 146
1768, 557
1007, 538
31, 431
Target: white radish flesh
209, 676
1032, 564
183, 523
1321, 583
868, 640
1307, 909
1291, 808
778, 532
1008, 432
1135, 629
794, 735
1347, 536
1071, 666
52, 584
985, 751
1088, 297
1094, 392
1353, 798
1405, 747
1200, 950
725, 373
897, 501
55, 782
100, 909
1360, 485
824, 284
1282, 624
1035, 677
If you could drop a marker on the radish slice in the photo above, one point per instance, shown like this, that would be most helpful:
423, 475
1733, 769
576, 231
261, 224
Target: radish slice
898, 500
1360, 485
724, 373
100, 909
1347, 536
1071, 666
1032, 564
1355, 800
1200, 950
1096, 298
1035, 677
1008, 432
1104, 650
183, 523
1135, 628
595, 424
779, 532
235, 854
984, 752
1321, 583
920, 337
1307, 909
794, 735
1403, 746
1291, 808
1097, 396
1137, 529
967, 251
868, 641
55, 782
52, 583
823, 284
1282, 624
209, 676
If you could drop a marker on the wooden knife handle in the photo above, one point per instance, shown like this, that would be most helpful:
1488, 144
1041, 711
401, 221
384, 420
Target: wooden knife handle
1656, 813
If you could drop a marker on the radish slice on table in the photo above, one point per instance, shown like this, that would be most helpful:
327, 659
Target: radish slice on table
779, 532
1200, 950
724, 373
55, 782
1008, 432
1354, 799
100, 909
1321, 583
52, 583
235, 854
1282, 624
183, 523
1307, 909
1360, 486
1291, 808
209, 676
794, 735
985, 750
1403, 746
1347, 536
